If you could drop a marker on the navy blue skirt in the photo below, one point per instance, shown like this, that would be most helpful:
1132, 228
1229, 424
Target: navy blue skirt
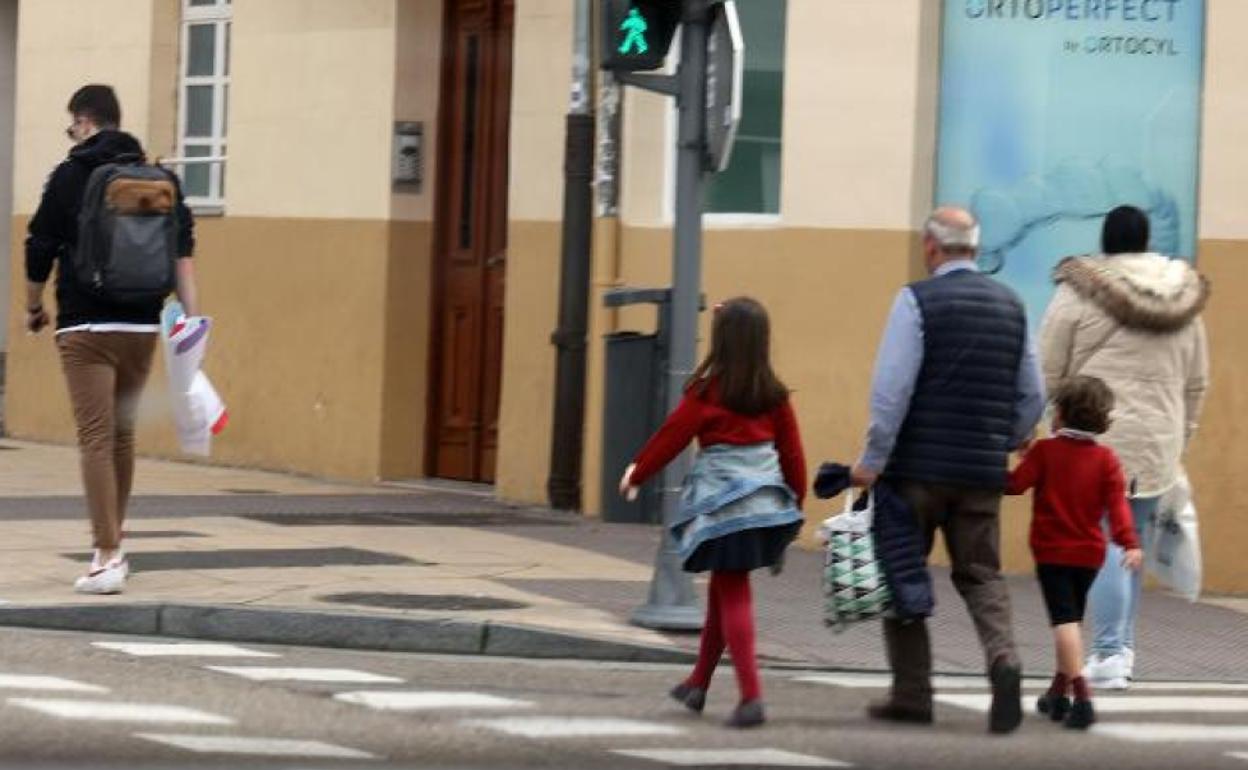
743, 551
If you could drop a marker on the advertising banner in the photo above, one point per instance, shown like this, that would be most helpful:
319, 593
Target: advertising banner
1053, 112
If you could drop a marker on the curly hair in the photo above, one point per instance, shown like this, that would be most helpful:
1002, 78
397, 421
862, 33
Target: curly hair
1084, 403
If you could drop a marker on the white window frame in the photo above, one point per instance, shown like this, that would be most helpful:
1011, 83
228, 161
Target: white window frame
219, 14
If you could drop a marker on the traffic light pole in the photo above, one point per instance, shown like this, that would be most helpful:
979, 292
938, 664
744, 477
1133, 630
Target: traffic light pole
673, 603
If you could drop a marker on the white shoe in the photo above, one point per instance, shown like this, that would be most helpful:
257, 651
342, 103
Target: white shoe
109, 578
1128, 656
1108, 672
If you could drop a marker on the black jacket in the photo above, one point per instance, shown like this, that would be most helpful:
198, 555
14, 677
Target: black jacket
53, 233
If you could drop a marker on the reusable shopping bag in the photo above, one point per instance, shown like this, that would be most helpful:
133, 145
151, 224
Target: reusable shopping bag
1174, 554
854, 588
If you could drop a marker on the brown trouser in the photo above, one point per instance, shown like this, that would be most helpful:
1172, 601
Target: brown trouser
970, 521
105, 372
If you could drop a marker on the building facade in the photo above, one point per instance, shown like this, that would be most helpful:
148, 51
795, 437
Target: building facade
379, 186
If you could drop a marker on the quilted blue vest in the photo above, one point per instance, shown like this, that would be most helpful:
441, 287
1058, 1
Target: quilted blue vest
961, 417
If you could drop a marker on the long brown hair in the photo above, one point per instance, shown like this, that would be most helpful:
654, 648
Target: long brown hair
740, 359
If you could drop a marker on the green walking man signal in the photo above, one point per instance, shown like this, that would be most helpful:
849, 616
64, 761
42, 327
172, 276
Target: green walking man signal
635, 25
638, 33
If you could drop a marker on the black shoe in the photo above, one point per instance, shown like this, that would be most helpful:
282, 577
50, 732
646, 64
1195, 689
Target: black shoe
1006, 713
1081, 715
693, 698
887, 711
748, 714
1055, 706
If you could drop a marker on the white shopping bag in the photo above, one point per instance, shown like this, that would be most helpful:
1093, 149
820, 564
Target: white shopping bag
198, 412
1174, 553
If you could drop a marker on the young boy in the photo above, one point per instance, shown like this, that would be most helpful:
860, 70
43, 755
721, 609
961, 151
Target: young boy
1077, 482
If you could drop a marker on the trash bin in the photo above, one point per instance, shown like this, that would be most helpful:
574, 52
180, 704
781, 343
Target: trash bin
633, 405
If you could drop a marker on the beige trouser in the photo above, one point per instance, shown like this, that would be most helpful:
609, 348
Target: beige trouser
105, 372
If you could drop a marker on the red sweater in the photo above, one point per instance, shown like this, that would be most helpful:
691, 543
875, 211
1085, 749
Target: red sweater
1077, 482
704, 418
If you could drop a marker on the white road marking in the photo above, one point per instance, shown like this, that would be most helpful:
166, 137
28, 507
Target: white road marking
720, 757
565, 727
1146, 732
183, 649
944, 682
420, 700
114, 711
1128, 704
1238, 755
48, 683
269, 747
338, 675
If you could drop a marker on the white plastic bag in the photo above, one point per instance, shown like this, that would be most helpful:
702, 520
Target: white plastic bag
1174, 551
198, 412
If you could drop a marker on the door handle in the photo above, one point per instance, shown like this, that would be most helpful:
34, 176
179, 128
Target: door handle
495, 260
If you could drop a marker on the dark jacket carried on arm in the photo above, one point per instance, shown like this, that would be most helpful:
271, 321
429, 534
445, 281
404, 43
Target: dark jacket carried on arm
53, 233
898, 543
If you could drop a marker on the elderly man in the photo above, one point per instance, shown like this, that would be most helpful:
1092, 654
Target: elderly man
956, 387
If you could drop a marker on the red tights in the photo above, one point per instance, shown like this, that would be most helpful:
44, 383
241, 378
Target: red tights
729, 620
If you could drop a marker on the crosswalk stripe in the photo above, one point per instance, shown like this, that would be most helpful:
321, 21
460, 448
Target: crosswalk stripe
1152, 732
47, 683
564, 727
112, 711
269, 747
336, 675
722, 757
183, 649
944, 682
1126, 704
418, 700
1238, 755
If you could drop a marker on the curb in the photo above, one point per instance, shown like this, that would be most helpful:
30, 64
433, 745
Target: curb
357, 631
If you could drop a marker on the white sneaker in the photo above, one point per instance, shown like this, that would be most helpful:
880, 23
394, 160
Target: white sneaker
1128, 656
1108, 672
108, 578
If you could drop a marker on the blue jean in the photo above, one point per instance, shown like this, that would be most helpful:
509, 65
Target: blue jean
1115, 595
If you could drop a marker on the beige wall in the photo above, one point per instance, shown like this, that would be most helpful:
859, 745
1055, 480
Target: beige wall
311, 108
541, 77
321, 301
8, 58
60, 48
417, 84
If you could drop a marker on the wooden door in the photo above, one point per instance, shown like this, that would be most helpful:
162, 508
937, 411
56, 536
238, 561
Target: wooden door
471, 244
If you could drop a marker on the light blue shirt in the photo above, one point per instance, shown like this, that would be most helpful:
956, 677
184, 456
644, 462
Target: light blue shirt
897, 369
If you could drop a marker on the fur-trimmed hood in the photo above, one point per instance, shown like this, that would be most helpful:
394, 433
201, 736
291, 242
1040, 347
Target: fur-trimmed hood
1149, 292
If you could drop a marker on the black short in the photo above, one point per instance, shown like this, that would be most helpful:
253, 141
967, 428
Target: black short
1065, 591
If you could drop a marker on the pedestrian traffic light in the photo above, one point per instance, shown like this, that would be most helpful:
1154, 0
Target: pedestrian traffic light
637, 33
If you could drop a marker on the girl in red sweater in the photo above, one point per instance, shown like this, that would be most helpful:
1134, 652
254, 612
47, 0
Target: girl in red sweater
1077, 483
741, 504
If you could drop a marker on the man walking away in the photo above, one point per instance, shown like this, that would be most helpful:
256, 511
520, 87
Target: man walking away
956, 387
114, 270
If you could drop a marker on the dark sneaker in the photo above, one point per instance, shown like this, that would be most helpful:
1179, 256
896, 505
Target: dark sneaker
693, 698
887, 711
1056, 707
748, 714
1081, 715
1006, 713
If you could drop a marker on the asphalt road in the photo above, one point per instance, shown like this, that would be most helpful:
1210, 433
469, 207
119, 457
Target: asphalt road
107, 707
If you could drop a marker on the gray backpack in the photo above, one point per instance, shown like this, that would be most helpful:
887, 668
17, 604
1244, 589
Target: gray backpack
128, 233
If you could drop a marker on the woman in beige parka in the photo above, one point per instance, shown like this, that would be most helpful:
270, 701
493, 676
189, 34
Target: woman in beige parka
1131, 318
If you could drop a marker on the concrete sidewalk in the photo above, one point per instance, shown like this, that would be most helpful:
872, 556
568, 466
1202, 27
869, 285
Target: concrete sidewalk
254, 556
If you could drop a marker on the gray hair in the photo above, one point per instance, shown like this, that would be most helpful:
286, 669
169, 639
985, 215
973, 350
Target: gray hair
952, 235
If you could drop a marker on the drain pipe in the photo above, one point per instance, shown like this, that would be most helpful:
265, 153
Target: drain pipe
563, 486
